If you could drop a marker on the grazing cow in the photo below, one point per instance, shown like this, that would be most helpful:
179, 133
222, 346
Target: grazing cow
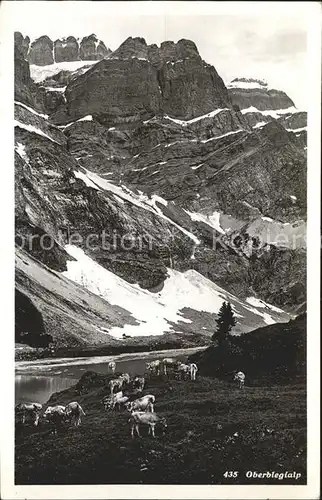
29, 411
183, 370
115, 383
240, 379
193, 370
125, 377
139, 383
74, 411
142, 404
107, 400
111, 366
52, 409
56, 415
145, 418
154, 367
169, 363
121, 402
115, 400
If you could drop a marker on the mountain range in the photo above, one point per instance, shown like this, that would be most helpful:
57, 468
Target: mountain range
203, 184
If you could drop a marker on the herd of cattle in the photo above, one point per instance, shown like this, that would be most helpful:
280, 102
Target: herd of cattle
124, 392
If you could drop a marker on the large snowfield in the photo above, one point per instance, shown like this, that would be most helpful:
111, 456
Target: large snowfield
154, 311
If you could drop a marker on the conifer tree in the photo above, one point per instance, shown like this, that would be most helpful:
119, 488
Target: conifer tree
225, 322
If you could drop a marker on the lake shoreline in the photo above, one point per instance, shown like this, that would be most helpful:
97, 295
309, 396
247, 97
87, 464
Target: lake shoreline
21, 365
27, 353
36, 380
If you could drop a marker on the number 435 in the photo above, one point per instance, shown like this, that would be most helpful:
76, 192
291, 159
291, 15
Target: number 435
231, 473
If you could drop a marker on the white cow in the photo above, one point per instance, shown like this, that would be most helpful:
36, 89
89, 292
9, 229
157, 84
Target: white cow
240, 379
154, 367
115, 400
142, 404
125, 377
55, 415
74, 411
115, 383
169, 363
146, 418
193, 370
29, 411
121, 402
107, 400
183, 370
112, 366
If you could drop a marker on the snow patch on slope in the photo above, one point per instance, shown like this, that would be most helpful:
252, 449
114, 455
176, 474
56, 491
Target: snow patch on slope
211, 220
184, 123
31, 128
274, 113
253, 301
295, 130
31, 110
84, 178
55, 89
40, 73
140, 200
87, 118
21, 150
152, 311
223, 135
259, 125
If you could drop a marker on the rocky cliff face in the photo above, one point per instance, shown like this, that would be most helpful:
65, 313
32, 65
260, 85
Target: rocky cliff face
260, 105
138, 81
149, 145
43, 51
66, 50
90, 48
247, 92
23, 80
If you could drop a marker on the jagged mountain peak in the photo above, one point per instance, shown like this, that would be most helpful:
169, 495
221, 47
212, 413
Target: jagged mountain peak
43, 51
167, 51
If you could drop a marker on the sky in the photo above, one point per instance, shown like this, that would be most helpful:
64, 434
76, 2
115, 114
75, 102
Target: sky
265, 44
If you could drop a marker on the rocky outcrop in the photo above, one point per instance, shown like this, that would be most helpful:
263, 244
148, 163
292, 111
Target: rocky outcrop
22, 72
90, 48
138, 81
22, 43
294, 121
43, 51
118, 89
66, 49
260, 105
167, 52
247, 92
240, 174
25, 91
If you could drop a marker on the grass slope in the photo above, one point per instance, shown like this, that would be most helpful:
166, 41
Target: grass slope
272, 354
193, 451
